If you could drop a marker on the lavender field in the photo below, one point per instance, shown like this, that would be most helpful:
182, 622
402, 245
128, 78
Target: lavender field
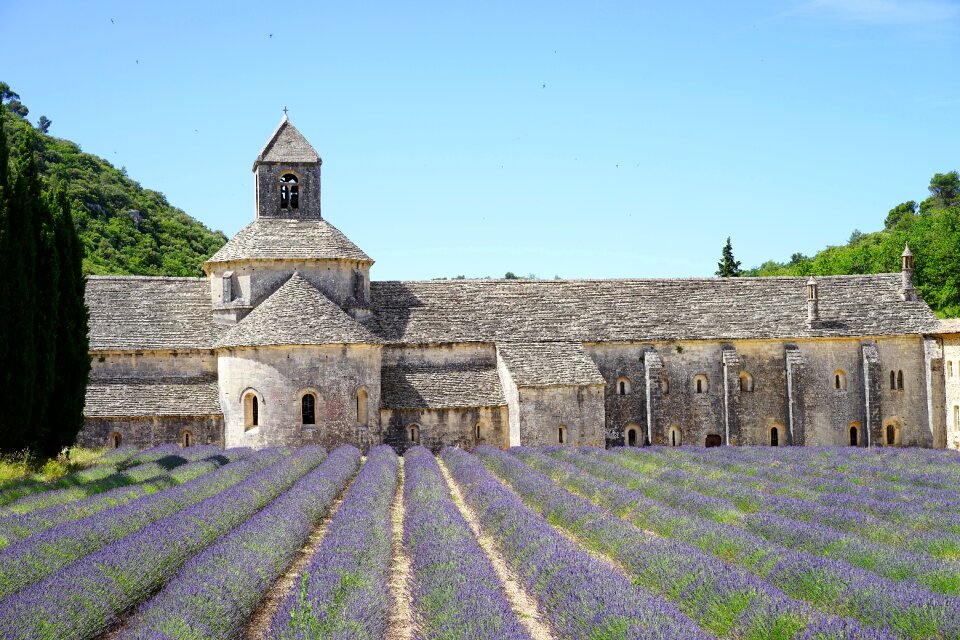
531, 544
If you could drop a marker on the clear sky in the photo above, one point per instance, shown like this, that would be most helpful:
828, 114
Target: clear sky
592, 139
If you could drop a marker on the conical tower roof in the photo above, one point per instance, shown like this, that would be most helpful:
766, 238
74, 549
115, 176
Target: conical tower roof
296, 314
280, 239
287, 144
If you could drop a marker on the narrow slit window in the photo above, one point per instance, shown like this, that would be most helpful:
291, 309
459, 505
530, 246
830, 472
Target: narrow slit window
774, 437
116, 438
362, 406
308, 409
415, 434
187, 439
561, 434
900, 380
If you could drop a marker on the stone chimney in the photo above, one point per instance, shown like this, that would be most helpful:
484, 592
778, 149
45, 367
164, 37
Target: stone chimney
813, 301
907, 292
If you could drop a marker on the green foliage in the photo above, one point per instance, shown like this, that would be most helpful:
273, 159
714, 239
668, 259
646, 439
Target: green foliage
728, 267
43, 336
159, 240
934, 238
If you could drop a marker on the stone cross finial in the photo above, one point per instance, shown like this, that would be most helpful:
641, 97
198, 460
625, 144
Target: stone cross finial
284, 112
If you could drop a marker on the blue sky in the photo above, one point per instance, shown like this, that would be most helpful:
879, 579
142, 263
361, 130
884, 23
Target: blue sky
580, 139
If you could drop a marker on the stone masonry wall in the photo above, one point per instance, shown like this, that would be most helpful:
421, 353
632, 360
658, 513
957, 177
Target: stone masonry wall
151, 431
580, 409
446, 427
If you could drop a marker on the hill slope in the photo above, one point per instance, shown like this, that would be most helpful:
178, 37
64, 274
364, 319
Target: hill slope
932, 229
125, 229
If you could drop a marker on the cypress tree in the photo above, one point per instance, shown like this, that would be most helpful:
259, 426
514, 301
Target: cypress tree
46, 288
72, 341
6, 435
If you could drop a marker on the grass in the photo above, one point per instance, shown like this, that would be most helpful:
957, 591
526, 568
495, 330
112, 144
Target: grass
24, 465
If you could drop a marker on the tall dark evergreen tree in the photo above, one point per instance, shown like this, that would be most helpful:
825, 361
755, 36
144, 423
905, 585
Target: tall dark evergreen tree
728, 267
72, 341
43, 333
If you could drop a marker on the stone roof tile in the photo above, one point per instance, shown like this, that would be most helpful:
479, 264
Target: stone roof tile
949, 325
439, 387
642, 310
296, 314
287, 144
547, 364
116, 397
145, 313
282, 239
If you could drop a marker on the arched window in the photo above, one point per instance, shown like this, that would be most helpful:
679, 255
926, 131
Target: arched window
891, 433
623, 385
415, 434
665, 385
950, 368
746, 382
893, 380
308, 409
854, 440
289, 191
632, 435
774, 437
187, 439
478, 431
115, 438
362, 405
251, 411
840, 380
956, 418
900, 380
701, 384
561, 434
675, 437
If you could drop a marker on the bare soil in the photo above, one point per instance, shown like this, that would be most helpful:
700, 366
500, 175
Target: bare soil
401, 622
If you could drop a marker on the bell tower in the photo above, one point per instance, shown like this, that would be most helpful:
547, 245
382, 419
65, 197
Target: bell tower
287, 174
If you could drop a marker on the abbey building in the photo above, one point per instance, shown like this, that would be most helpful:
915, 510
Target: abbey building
287, 340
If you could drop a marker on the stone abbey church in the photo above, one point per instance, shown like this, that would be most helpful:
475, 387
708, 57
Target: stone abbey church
288, 341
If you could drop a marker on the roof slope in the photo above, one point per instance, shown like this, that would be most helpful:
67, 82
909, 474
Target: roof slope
641, 310
949, 325
287, 144
439, 387
138, 312
282, 239
159, 397
296, 314
547, 364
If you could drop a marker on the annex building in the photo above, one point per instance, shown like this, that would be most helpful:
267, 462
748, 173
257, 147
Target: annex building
287, 340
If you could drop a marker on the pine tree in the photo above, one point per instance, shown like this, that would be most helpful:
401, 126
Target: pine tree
728, 267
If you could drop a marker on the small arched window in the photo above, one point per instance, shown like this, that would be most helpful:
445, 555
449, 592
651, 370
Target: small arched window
308, 409
840, 380
665, 385
362, 398
893, 380
746, 382
950, 368
623, 385
956, 418
289, 191
701, 384
251, 411
632, 435
478, 431
854, 436
774, 437
115, 439
187, 439
900, 380
561, 434
892, 433
675, 437
415, 434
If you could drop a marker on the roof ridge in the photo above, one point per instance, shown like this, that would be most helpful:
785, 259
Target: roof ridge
139, 277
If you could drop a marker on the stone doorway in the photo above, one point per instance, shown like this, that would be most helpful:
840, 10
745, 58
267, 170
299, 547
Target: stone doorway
713, 440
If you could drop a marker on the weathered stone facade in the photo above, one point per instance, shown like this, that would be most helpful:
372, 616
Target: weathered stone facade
287, 341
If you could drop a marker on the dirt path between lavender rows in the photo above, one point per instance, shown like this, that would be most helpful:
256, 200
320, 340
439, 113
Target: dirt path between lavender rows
401, 623
259, 623
523, 604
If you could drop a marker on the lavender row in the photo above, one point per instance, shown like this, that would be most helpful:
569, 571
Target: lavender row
455, 591
722, 598
38, 556
580, 596
794, 524
106, 466
216, 592
88, 597
18, 527
130, 475
343, 591
909, 524
832, 586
